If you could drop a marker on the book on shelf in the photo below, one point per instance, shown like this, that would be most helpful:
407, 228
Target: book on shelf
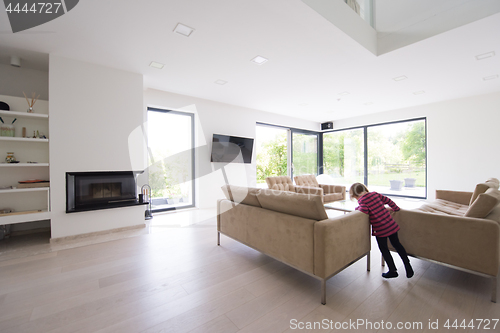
33, 184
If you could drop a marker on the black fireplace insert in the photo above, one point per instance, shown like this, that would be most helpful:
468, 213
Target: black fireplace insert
100, 190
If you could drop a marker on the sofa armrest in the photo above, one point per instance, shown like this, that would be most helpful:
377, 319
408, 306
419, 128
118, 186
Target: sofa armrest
462, 198
333, 189
339, 241
309, 190
465, 242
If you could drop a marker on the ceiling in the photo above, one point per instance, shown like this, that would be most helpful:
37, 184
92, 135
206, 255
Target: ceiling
315, 71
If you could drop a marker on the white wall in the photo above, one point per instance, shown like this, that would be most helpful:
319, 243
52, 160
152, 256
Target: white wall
213, 117
93, 110
462, 139
15, 80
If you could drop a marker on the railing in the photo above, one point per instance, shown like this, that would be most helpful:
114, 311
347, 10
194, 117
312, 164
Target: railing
364, 8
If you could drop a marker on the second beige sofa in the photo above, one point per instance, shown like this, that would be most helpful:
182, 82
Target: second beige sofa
294, 229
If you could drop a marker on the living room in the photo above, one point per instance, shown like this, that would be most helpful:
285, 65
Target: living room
98, 88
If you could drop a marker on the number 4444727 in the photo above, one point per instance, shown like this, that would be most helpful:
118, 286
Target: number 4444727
485, 324
38, 8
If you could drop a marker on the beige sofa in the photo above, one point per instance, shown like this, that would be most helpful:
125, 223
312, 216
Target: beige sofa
460, 229
294, 229
331, 193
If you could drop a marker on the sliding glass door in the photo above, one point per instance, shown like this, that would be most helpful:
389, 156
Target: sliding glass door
343, 156
171, 159
397, 158
272, 153
305, 158
389, 158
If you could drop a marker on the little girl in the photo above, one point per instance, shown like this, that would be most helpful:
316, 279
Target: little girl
383, 225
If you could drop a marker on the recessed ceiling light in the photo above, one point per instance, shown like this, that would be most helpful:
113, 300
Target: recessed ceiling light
183, 29
259, 60
400, 78
485, 55
221, 82
345, 93
157, 65
420, 92
491, 77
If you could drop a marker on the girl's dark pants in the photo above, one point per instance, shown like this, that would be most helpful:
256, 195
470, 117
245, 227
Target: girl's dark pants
382, 245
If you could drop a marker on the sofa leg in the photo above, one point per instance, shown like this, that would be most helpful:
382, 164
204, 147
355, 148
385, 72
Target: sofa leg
323, 291
494, 281
368, 262
218, 238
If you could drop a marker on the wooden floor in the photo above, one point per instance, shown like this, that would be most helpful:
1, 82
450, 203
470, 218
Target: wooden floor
172, 277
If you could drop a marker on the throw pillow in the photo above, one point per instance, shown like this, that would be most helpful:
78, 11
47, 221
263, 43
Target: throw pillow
482, 206
480, 188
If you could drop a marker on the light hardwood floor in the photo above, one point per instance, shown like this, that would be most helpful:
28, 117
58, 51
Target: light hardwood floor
172, 277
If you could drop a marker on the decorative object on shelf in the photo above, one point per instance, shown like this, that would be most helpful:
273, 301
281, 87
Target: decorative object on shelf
24, 132
32, 102
10, 157
146, 196
7, 129
4, 106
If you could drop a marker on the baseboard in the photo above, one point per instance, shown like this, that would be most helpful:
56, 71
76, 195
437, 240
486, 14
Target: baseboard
97, 233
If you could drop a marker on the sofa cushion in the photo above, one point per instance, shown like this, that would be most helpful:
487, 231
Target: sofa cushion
241, 194
440, 206
483, 205
304, 205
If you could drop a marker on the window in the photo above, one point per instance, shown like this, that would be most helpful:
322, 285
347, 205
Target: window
272, 153
389, 158
343, 156
397, 158
305, 153
171, 159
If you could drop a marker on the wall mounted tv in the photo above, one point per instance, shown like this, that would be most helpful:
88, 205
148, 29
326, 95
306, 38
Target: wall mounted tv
234, 149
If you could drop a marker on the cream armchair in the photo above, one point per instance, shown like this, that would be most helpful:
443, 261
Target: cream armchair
330, 192
284, 183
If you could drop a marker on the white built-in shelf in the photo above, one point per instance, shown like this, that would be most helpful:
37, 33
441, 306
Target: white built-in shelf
20, 190
28, 217
15, 138
17, 114
14, 165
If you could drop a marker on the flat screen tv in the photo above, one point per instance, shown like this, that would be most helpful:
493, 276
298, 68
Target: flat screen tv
227, 149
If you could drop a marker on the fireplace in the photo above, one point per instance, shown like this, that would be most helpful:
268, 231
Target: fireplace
100, 190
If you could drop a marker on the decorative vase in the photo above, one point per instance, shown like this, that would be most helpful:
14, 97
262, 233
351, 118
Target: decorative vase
10, 157
30, 110
7, 130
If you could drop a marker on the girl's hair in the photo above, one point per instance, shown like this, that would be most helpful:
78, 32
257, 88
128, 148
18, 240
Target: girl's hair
356, 190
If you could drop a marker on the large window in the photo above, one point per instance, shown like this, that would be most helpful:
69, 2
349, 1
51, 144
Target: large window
343, 156
305, 153
171, 159
397, 158
284, 151
389, 158
272, 152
